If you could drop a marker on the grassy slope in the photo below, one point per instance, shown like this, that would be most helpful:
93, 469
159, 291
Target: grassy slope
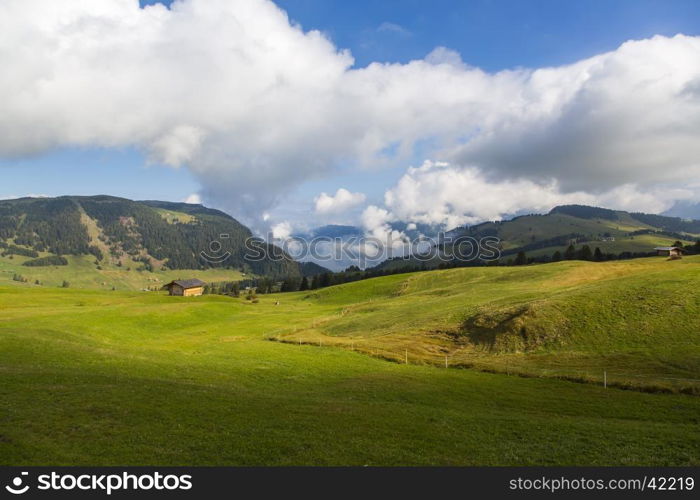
83, 273
127, 378
641, 244
639, 320
524, 230
515, 234
175, 217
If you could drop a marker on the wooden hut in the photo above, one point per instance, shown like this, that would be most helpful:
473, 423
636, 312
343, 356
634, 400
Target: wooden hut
185, 288
669, 251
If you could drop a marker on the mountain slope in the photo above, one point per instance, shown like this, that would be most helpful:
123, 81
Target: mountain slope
609, 229
118, 233
540, 236
639, 320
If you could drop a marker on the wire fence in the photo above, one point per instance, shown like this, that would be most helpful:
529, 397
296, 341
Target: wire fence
438, 357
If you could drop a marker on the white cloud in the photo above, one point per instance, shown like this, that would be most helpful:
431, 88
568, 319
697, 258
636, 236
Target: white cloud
376, 223
282, 230
177, 146
443, 55
29, 195
388, 27
628, 116
254, 106
450, 196
342, 200
194, 198
374, 218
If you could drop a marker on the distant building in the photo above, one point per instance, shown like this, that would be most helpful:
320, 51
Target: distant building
669, 251
185, 288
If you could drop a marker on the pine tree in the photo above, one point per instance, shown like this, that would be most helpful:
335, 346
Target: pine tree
521, 259
598, 255
304, 285
570, 253
585, 253
556, 256
315, 282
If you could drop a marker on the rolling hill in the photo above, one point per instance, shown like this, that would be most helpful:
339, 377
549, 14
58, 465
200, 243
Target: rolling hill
107, 378
110, 242
614, 232
638, 319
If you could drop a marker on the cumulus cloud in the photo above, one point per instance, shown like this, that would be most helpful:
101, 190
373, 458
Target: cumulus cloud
254, 105
177, 146
629, 116
194, 198
376, 222
342, 200
438, 193
443, 55
282, 230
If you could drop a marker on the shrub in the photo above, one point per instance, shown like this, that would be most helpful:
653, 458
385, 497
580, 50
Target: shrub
51, 260
15, 250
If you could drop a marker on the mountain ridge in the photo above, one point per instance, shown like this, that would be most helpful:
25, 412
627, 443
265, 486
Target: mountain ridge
170, 235
614, 232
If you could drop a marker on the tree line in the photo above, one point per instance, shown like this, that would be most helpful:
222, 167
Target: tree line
585, 253
353, 273
55, 225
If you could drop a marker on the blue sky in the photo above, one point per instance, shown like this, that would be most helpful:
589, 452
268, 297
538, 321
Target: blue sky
492, 35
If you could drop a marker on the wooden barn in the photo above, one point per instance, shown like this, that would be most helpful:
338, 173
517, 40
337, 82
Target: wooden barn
185, 288
669, 251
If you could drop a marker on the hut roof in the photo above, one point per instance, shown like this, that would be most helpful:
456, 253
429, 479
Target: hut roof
192, 283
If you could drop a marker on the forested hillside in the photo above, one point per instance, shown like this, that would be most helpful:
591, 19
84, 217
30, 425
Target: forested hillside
571, 232
157, 234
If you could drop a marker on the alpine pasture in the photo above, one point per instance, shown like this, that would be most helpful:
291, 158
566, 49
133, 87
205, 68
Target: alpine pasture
471, 366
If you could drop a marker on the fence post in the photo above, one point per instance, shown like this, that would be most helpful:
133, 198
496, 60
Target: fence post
445, 360
406, 356
605, 379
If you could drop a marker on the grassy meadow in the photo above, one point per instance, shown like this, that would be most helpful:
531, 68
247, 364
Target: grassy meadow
82, 272
636, 322
114, 378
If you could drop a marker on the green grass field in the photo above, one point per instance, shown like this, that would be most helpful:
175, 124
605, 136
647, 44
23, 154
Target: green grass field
640, 243
637, 320
82, 272
115, 378
522, 230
